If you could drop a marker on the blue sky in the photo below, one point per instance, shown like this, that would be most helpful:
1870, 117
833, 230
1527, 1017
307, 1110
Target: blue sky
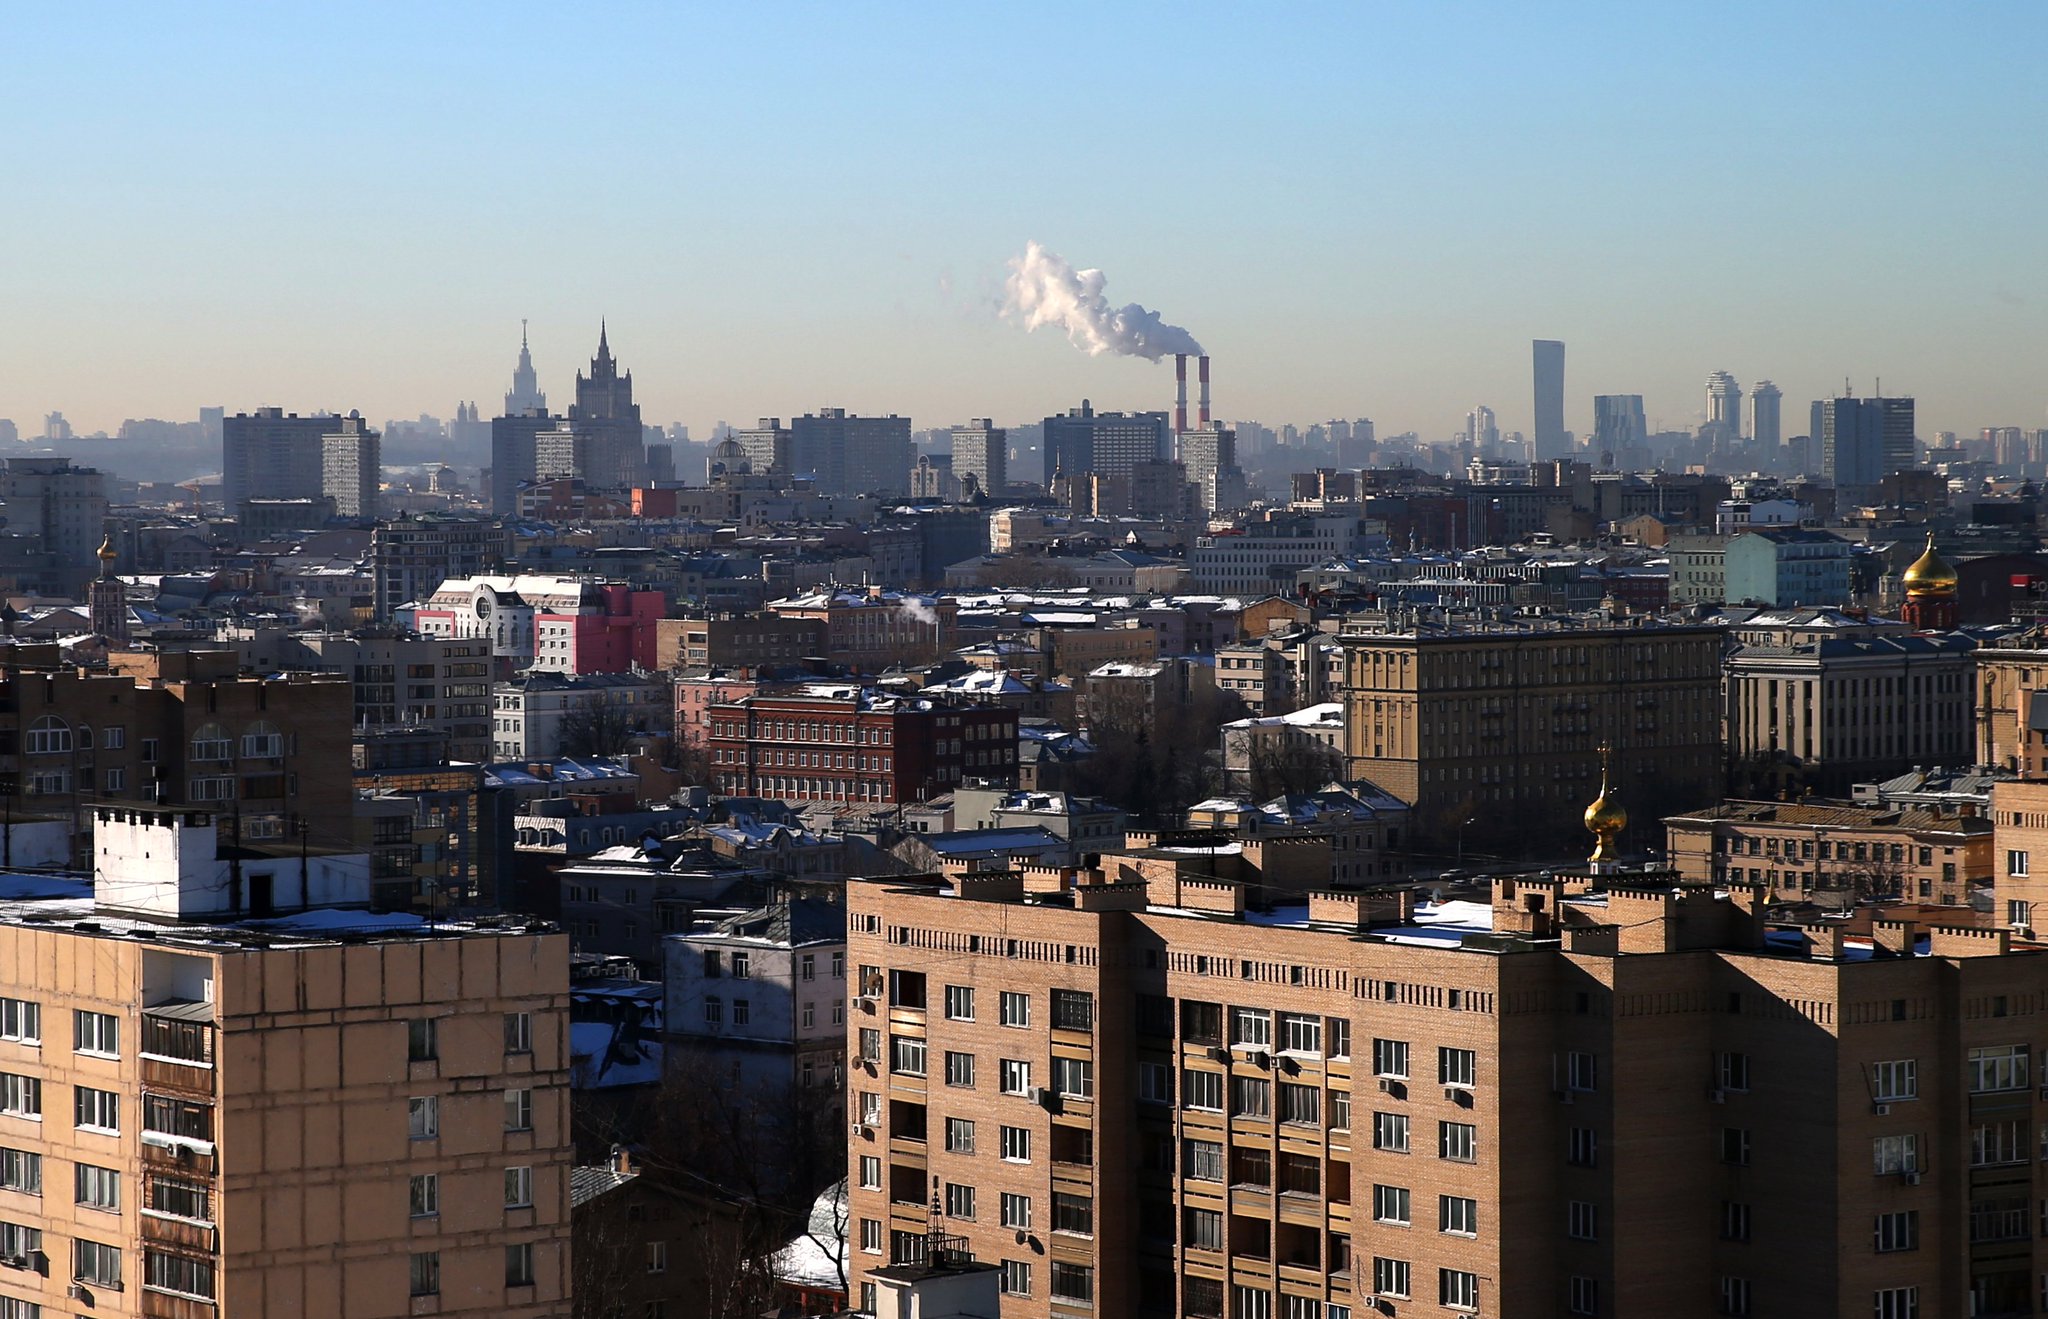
1360, 209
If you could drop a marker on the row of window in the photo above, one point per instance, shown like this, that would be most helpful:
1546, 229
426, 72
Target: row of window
96, 1034
424, 1193
781, 730
423, 1036
97, 1188
423, 1114
425, 1269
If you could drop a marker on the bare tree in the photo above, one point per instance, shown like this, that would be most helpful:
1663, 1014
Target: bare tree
604, 725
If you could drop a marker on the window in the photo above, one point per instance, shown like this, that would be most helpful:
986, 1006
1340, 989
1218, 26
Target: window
96, 1110
1457, 1067
1994, 1143
1155, 1083
261, 741
741, 1012
423, 1117
21, 1096
960, 1069
1390, 1276
1898, 1231
1582, 1149
1251, 1028
1457, 1289
1202, 1091
519, 1187
742, 966
1015, 1008
1204, 1229
1898, 1303
870, 1045
1895, 1154
1073, 1010
1300, 1103
519, 1265
211, 742
1734, 1221
1457, 1215
519, 1110
421, 1039
1073, 1282
1300, 1033
1457, 1141
1073, 1214
1893, 1081
21, 1021
1015, 1076
2016, 864
871, 1235
1582, 1220
959, 1135
16, 1239
1074, 1077
1016, 1144
426, 1195
1390, 1132
959, 1003
519, 1032
1016, 1210
1340, 1110
97, 1264
1733, 1069
1251, 1096
1016, 1278
2003, 1067
1340, 1036
1201, 1023
97, 1033
194, 1277
48, 736
657, 1257
906, 1055
1582, 1295
1581, 1072
1251, 1303
1734, 1295
1390, 1058
99, 1188
1735, 1145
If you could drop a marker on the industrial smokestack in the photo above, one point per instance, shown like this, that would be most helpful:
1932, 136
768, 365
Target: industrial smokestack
1180, 401
1202, 408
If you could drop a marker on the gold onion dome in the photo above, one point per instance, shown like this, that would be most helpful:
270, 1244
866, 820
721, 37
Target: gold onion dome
1605, 818
1930, 573
106, 550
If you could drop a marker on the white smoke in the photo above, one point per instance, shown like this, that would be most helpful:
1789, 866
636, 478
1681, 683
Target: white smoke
1044, 290
920, 609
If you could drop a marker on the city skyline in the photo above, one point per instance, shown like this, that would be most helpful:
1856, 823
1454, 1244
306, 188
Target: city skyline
844, 243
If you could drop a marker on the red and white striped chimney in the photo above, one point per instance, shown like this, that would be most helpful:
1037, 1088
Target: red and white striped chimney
1202, 407
1180, 402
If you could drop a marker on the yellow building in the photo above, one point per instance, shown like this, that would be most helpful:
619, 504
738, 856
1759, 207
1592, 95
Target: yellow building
1489, 731
329, 1113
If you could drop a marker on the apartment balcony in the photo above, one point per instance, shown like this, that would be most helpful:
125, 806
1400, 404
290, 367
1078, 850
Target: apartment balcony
182, 1077
183, 1158
164, 1305
181, 1232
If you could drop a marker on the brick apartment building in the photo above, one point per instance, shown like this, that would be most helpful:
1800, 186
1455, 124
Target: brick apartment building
839, 742
203, 1117
264, 752
873, 629
1813, 848
1491, 730
1592, 1096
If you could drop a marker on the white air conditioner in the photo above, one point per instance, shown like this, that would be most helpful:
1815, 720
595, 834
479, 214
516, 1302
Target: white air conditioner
1881, 1110
1036, 1094
1910, 1178
861, 1130
77, 1292
1387, 1084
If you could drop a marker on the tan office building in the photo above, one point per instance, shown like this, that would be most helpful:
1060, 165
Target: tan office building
1631, 1099
1494, 730
1835, 850
205, 1118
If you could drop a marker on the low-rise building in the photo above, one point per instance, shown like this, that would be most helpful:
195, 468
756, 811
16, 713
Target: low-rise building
762, 994
543, 715
1834, 851
841, 742
1789, 566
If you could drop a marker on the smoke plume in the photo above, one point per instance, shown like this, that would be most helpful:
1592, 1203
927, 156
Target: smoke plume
1044, 290
920, 609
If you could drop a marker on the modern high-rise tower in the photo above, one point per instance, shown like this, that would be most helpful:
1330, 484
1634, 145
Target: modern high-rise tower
1863, 440
1764, 424
1551, 440
1618, 424
1724, 405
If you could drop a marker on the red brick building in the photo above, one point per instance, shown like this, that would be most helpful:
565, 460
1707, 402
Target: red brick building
840, 742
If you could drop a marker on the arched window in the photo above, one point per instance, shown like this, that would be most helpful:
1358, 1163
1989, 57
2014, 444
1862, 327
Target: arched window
48, 735
262, 741
211, 743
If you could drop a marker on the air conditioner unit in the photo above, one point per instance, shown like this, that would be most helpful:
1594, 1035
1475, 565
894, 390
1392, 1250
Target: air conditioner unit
1564, 1097
77, 1292
1881, 1110
1263, 1059
1454, 1094
1036, 1094
1910, 1178
1387, 1084
861, 1130
1717, 1096
1220, 1054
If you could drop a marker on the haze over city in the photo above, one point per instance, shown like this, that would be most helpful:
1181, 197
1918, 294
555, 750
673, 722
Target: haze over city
1360, 211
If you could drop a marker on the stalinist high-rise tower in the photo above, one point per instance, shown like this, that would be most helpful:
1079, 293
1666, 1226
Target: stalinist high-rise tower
526, 395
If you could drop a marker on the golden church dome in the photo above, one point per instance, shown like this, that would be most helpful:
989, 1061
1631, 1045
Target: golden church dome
1605, 818
106, 551
1930, 574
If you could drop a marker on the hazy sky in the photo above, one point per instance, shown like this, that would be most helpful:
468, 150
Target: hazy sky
1361, 209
